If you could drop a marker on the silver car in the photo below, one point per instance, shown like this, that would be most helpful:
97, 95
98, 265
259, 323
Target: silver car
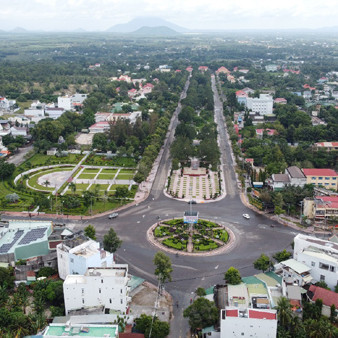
113, 215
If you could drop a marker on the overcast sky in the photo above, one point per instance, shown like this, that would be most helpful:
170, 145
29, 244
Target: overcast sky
202, 14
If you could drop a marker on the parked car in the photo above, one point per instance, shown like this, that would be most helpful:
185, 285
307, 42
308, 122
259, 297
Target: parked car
247, 216
192, 202
113, 215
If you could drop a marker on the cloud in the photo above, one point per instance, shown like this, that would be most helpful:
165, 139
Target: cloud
101, 14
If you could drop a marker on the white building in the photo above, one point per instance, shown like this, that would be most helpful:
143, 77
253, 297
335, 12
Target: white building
78, 98
319, 254
248, 322
262, 105
54, 113
65, 102
98, 287
294, 272
18, 131
75, 258
39, 111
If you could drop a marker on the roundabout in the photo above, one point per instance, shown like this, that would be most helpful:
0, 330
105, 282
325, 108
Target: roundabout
205, 238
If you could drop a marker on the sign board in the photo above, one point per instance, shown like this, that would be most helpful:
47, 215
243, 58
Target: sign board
190, 217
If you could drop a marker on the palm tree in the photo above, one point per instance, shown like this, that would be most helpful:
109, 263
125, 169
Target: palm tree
46, 183
72, 187
284, 312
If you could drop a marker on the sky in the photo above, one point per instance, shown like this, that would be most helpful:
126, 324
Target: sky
99, 15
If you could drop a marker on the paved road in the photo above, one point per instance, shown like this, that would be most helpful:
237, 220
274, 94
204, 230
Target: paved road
19, 158
253, 236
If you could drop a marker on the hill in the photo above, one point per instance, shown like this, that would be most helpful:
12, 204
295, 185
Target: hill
155, 31
140, 22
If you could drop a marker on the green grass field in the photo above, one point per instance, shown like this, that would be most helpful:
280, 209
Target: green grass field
106, 176
90, 171
103, 187
125, 176
87, 176
109, 171
127, 171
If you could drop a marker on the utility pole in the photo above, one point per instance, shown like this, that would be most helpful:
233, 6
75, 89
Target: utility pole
159, 288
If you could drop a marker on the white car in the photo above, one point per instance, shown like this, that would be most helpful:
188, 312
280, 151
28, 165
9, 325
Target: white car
247, 216
113, 215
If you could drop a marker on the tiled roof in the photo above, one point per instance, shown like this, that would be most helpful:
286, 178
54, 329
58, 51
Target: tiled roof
327, 296
262, 314
319, 172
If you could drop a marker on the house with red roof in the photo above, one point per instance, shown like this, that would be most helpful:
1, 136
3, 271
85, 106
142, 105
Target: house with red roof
238, 322
326, 178
203, 68
327, 296
99, 127
223, 70
132, 92
241, 96
269, 132
328, 146
306, 86
189, 69
280, 100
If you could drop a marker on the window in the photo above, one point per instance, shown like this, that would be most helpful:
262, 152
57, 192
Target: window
313, 264
72, 260
110, 300
313, 178
334, 178
121, 291
121, 301
323, 266
322, 278
99, 290
101, 281
332, 269
82, 300
320, 178
82, 291
327, 178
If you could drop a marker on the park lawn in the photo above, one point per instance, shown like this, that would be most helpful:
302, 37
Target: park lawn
127, 171
81, 187
112, 162
205, 247
101, 206
175, 243
90, 171
125, 176
87, 176
103, 187
42, 160
105, 176
109, 171
114, 186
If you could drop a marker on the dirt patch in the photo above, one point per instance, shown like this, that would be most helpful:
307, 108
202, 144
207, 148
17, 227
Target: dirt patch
143, 301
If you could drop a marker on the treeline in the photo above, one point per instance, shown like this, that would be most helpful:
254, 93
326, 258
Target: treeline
196, 135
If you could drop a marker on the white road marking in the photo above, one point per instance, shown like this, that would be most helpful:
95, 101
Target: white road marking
184, 267
216, 267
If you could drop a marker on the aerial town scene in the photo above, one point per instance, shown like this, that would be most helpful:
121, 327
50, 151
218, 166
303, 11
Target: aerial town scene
168, 169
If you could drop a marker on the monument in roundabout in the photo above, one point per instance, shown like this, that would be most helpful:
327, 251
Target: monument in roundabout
191, 235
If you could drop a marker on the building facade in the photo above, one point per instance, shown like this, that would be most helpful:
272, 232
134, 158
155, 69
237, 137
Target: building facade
321, 177
74, 258
262, 105
98, 287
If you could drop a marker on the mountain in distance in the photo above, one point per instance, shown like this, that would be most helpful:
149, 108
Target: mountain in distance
140, 22
18, 30
155, 31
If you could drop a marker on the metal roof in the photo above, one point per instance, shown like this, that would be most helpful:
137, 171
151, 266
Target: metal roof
296, 266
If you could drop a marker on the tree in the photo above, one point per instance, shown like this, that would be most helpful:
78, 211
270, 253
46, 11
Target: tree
201, 313
111, 241
46, 271
7, 277
121, 192
282, 256
46, 183
90, 232
163, 267
284, 312
232, 276
262, 263
72, 187
6, 169
158, 328
200, 292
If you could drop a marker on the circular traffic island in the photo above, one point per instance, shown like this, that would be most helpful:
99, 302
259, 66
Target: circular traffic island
200, 239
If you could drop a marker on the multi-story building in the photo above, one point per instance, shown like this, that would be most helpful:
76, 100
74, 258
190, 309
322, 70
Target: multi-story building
76, 255
321, 207
236, 322
321, 177
262, 105
105, 288
319, 254
329, 146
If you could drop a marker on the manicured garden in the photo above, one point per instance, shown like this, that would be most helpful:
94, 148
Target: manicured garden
114, 161
203, 236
